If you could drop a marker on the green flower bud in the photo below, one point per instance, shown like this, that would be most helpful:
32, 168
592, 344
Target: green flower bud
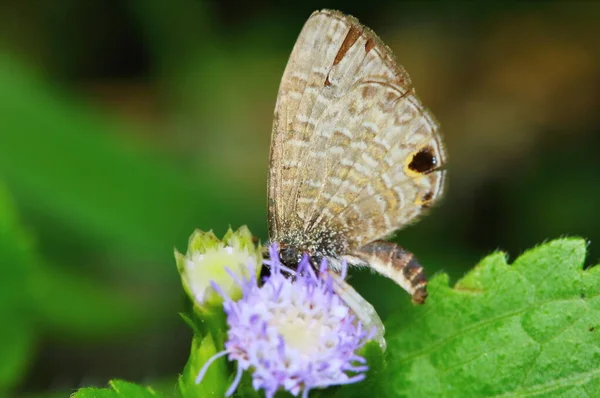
209, 259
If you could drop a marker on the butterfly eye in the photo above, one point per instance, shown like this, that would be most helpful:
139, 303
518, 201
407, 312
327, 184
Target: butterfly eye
289, 255
423, 161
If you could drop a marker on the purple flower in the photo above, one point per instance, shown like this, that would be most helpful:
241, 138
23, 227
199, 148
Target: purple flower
294, 334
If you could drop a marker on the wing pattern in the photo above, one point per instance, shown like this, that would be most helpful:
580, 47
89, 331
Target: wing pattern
353, 151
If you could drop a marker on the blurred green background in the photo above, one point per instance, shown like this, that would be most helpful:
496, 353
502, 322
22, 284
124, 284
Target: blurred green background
124, 125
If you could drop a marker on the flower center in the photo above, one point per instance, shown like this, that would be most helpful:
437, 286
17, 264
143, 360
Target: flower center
298, 336
301, 331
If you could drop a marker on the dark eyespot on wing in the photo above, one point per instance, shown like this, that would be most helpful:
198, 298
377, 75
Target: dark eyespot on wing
423, 161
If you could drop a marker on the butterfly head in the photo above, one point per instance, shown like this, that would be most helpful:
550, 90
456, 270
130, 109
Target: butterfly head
290, 255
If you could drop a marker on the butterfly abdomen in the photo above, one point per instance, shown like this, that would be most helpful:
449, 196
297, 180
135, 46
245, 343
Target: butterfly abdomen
397, 264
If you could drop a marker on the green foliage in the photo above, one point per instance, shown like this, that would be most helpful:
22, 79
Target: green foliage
89, 198
105, 189
119, 389
17, 334
216, 380
526, 329
376, 361
70, 304
35, 298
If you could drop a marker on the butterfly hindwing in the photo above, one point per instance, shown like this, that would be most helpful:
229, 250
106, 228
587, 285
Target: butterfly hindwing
353, 149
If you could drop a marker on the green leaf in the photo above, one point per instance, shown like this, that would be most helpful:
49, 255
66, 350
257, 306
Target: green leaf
246, 390
526, 329
119, 389
375, 360
17, 334
61, 158
216, 380
71, 304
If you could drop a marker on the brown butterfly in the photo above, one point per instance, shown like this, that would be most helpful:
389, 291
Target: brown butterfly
354, 156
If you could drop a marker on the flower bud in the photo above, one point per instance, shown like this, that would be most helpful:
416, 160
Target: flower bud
210, 259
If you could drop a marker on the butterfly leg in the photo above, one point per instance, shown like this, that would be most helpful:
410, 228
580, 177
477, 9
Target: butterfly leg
398, 264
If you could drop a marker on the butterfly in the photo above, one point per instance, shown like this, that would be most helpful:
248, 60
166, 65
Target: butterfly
354, 157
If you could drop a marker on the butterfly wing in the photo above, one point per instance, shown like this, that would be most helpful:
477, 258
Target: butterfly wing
363, 310
352, 149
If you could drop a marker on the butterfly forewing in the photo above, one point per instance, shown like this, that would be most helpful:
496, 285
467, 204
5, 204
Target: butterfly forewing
354, 154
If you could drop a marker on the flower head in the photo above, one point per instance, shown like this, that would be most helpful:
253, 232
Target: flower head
293, 333
211, 259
